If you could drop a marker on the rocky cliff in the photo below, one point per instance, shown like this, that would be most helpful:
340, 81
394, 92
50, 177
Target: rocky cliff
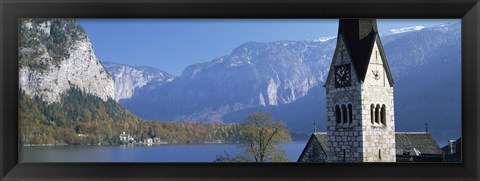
55, 55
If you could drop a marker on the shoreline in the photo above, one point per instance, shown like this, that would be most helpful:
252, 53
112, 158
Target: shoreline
140, 144
136, 144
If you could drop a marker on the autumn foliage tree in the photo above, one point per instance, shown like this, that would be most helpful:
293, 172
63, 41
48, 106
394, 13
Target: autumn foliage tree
261, 138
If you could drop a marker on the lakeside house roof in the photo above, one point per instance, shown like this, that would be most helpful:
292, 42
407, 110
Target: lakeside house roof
457, 156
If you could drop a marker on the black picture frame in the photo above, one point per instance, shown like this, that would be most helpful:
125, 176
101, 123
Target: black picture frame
11, 10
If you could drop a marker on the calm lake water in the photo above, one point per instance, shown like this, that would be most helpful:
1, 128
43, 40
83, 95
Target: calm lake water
155, 153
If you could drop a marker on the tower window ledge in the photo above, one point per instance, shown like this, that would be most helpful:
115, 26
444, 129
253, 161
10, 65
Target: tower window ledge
378, 126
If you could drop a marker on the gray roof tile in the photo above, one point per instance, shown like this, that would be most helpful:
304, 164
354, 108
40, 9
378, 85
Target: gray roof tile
421, 141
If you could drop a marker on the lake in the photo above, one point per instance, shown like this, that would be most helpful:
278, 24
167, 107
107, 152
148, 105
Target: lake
154, 153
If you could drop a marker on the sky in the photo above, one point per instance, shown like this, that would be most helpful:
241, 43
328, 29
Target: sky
173, 44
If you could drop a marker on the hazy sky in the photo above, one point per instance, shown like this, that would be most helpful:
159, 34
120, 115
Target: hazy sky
173, 44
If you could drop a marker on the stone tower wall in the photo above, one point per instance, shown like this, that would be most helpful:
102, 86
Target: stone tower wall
360, 141
344, 140
379, 138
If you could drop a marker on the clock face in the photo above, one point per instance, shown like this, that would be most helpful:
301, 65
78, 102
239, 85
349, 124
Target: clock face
376, 74
342, 75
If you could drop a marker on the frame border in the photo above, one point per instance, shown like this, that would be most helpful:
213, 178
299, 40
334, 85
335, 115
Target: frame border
11, 10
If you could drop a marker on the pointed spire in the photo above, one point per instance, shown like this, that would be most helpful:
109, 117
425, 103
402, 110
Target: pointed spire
359, 36
357, 28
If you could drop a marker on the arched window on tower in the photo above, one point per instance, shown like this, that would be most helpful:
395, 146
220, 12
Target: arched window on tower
377, 114
344, 113
337, 114
384, 114
350, 115
372, 113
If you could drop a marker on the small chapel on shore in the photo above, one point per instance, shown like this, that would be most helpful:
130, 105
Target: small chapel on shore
360, 105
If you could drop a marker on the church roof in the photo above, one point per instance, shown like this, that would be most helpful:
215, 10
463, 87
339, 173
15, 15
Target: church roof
321, 138
359, 35
421, 142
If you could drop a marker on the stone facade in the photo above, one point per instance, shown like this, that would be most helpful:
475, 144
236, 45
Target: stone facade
366, 131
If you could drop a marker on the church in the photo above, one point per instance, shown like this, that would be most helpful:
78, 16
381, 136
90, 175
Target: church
360, 105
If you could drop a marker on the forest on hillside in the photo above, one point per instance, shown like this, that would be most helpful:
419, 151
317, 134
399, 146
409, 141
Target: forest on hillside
83, 119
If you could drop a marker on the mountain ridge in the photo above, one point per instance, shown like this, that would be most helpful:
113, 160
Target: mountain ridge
129, 80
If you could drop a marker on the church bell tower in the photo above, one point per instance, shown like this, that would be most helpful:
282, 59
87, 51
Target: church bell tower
359, 87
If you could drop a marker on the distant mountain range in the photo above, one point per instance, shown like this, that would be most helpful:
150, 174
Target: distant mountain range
254, 75
130, 79
286, 78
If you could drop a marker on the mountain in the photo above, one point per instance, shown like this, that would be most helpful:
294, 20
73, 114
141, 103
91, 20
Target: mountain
286, 79
253, 75
128, 80
435, 44
54, 56
428, 81
406, 29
